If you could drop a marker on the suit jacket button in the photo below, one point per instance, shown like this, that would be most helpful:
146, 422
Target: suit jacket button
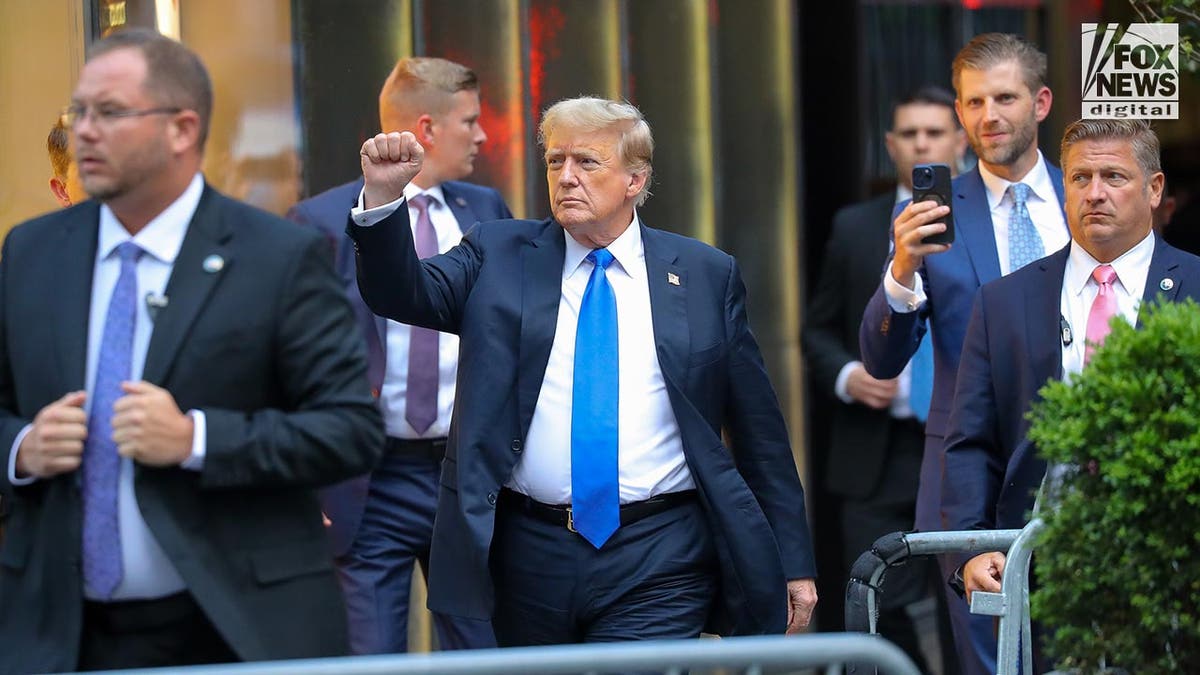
516, 445
491, 498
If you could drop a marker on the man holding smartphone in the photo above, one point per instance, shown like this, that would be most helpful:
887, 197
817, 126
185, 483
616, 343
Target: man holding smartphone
877, 425
1007, 213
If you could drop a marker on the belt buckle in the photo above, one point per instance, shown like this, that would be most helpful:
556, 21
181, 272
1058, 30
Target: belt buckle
571, 521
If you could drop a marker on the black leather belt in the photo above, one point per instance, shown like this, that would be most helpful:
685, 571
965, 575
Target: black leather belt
130, 616
433, 449
560, 514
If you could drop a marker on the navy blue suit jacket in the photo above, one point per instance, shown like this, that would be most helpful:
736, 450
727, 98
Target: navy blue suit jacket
327, 212
1013, 347
500, 290
888, 339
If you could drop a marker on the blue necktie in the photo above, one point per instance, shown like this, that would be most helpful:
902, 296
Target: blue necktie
920, 391
102, 570
595, 490
1024, 242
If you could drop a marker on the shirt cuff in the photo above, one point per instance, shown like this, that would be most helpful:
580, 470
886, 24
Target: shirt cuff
364, 217
12, 459
900, 298
839, 385
195, 462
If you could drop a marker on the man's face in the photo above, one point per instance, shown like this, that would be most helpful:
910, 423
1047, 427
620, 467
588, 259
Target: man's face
591, 191
1000, 114
924, 133
117, 155
456, 137
1109, 202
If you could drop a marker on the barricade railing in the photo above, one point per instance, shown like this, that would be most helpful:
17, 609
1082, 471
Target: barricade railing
753, 655
1011, 604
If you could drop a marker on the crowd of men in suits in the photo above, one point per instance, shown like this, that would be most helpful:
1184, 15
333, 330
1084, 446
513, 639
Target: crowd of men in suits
579, 400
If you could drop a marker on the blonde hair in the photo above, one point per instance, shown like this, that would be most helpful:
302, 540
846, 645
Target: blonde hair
635, 145
990, 49
421, 85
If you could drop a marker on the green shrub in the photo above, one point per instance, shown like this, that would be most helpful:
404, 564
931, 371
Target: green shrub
1117, 569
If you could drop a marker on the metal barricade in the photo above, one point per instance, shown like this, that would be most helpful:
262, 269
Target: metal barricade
1011, 604
753, 655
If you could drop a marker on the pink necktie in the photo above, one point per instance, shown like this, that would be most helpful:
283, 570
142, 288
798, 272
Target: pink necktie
421, 402
1104, 307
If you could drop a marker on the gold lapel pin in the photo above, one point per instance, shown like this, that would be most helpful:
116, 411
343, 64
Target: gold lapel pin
672, 278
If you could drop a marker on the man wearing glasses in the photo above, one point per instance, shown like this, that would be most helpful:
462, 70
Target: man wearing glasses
177, 372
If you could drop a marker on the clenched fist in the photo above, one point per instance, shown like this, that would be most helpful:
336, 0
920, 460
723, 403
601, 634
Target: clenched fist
389, 162
54, 443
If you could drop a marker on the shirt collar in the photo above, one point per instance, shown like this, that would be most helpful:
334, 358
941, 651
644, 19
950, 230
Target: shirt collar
903, 193
626, 251
435, 192
163, 236
1038, 179
1130, 266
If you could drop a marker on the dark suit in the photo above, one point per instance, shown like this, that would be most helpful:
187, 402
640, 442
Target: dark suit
500, 291
1013, 347
266, 348
873, 460
888, 340
345, 503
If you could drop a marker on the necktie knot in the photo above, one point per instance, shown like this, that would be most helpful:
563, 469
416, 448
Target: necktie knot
601, 258
1104, 274
129, 252
422, 202
1020, 193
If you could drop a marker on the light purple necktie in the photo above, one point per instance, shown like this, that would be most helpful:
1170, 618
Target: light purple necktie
422, 389
1104, 308
102, 570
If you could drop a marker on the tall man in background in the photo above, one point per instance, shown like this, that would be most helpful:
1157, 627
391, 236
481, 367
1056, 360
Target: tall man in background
382, 524
587, 495
177, 372
1007, 213
877, 431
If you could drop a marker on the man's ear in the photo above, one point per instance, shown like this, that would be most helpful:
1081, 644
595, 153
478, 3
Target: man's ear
425, 131
59, 188
185, 130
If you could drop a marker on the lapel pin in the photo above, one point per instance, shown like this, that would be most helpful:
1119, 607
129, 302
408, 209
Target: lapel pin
461, 202
213, 264
1167, 284
672, 278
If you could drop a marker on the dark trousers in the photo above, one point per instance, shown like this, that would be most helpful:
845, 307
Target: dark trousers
171, 631
376, 573
654, 579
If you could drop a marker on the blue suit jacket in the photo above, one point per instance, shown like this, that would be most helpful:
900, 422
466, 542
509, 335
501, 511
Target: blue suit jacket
500, 290
1013, 347
327, 212
888, 339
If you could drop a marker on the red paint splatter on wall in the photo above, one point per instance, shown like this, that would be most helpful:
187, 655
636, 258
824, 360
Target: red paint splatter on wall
545, 21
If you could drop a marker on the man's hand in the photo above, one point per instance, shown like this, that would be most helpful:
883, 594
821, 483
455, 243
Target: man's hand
149, 427
983, 573
389, 162
54, 444
873, 393
802, 598
910, 227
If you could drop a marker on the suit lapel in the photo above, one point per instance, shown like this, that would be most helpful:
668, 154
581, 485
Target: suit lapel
973, 226
193, 277
1164, 264
541, 290
460, 207
1043, 314
73, 271
668, 284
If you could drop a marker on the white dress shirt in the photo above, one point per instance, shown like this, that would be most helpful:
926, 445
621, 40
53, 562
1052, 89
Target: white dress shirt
1079, 290
148, 573
393, 398
1044, 211
650, 452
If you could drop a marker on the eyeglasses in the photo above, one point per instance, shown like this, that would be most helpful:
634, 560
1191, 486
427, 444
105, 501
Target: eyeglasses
72, 114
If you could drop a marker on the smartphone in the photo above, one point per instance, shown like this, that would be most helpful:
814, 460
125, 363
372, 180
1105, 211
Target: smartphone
931, 182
